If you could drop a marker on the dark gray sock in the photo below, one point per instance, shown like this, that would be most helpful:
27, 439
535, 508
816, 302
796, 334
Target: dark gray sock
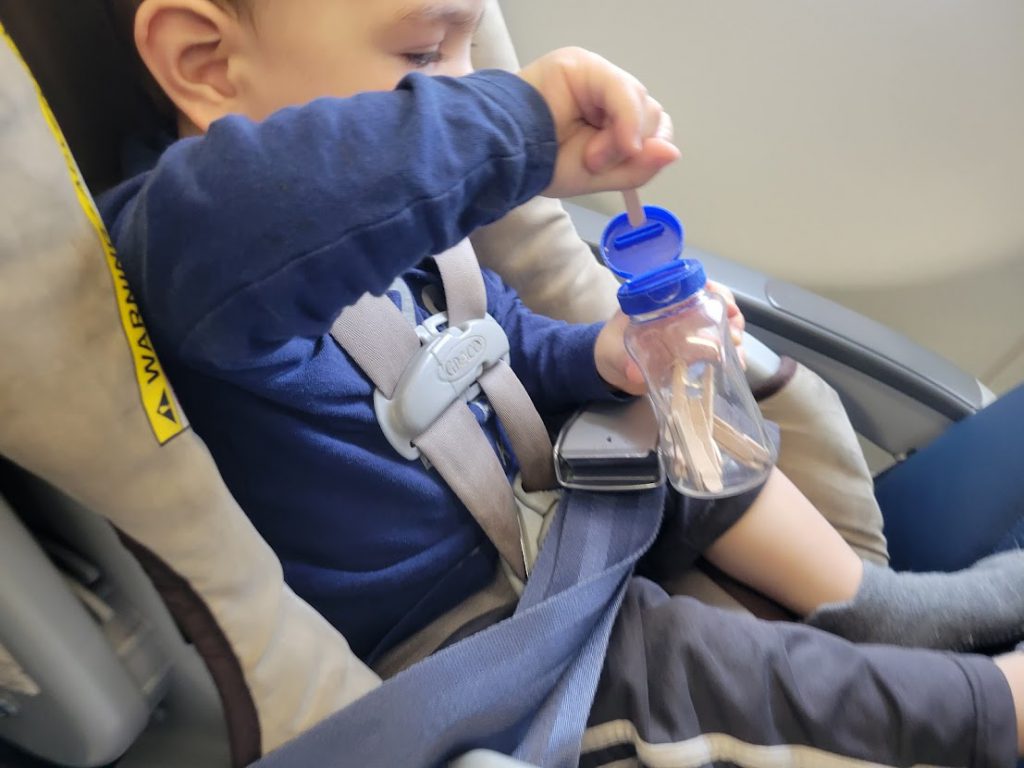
979, 607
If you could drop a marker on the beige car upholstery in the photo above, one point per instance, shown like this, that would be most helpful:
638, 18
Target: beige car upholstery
535, 248
75, 372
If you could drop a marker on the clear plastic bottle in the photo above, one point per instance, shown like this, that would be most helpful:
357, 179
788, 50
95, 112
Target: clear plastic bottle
713, 440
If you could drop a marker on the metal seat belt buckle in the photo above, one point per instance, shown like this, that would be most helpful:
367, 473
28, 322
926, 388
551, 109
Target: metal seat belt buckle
610, 447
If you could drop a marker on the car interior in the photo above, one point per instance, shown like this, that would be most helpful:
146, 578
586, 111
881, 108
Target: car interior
143, 621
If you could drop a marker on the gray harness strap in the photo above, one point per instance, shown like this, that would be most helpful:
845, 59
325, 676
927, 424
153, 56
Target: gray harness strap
525, 429
380, 340
457, 448
359, 331
466, 299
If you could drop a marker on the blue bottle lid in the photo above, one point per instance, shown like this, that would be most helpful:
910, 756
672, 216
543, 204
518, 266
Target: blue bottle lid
630, 251
662, 287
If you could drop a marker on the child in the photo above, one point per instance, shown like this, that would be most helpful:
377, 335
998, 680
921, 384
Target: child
252, 233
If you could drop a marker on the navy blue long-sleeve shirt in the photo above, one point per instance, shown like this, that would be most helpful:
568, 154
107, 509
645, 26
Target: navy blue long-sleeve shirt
242, 248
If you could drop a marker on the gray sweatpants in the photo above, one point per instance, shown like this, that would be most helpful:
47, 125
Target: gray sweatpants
685, 684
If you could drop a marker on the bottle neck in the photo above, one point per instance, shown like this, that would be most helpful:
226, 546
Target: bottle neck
691, 301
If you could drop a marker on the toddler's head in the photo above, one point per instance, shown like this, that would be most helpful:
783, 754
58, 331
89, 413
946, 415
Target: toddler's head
211, 58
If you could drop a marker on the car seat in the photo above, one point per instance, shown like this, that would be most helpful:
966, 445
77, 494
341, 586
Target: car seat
72, 401
93, 667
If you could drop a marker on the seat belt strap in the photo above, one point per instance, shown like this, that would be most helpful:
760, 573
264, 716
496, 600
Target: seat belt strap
458, 449
523, 686
523, 425
465, 295
360, 329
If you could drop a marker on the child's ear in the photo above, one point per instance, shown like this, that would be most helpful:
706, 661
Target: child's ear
188, 45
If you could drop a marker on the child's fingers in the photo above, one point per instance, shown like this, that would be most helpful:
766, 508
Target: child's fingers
666, 130
732, 308
726, 293
635, 384
611, 133
638, 170
625, 109
575, 173
606, 150
737, 322
649, 121
652, 122
601, 153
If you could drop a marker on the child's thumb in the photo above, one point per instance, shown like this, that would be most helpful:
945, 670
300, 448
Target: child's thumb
637, 385
639, 169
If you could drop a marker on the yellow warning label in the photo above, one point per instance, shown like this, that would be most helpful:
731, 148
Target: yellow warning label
164, 414
161, 408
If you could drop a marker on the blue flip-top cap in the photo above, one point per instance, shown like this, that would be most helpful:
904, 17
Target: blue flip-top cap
662, 287
630, 251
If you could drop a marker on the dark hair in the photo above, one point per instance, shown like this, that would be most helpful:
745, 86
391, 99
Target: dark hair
83, 56
122, 14
87, 70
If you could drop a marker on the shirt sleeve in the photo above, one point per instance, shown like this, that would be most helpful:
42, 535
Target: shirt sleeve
553, 359
257, 234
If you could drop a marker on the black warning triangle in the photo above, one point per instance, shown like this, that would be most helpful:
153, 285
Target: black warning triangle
165, 409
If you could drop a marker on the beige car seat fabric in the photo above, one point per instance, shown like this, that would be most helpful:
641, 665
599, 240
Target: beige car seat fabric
535, 248
74, 375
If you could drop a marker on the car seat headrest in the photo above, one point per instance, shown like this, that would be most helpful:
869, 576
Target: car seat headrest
84, 405
87, 69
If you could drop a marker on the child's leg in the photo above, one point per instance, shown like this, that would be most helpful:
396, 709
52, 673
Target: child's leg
1012, 667
820, 453
785, 549
782, 547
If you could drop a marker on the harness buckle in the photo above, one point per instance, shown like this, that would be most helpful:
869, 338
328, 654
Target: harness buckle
445, 369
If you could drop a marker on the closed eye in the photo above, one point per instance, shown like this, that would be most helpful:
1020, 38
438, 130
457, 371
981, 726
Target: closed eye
423, 59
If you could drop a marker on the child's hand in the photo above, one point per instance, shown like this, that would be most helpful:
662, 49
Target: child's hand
736, 320
617, 368
612, 135
614, 364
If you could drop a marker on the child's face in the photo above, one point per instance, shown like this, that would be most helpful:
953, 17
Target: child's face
300, 50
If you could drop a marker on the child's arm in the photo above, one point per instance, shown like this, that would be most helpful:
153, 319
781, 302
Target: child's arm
260, 232
553, 359
257, 235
